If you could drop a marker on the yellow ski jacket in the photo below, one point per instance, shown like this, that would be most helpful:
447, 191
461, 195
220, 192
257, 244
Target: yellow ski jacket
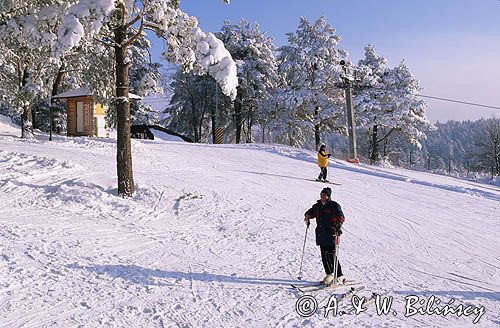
322, 158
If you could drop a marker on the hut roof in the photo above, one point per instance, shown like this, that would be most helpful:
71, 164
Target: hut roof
73, 93
81, 92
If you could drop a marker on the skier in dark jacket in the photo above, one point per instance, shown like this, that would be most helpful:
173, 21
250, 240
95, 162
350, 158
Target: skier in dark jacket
329, 220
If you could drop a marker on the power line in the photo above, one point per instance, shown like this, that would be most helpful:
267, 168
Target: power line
457, 101
434, 97
163, 99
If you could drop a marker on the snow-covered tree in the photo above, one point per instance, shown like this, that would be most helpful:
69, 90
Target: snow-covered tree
488, 153
191, 103
284, 125
27, 31
30, 33
390, 102
310, 65
257, 76
187, 45
370, 102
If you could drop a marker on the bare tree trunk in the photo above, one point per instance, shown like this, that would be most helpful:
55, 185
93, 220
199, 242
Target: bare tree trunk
214, 122
202, 113
194, 125
317, 130
200, 125
238, 118
249, 130
27, 114
384, 149
123, 144
27, 122
55, 90
200, 128
374, 146
495, 141
263, 126
497, 160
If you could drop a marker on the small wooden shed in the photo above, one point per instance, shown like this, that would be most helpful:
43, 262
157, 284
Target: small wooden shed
84, 116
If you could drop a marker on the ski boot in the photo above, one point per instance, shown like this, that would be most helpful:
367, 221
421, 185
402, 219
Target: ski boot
341, 280
327, 280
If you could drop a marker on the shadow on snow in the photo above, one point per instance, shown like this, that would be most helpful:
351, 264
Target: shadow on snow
154, 277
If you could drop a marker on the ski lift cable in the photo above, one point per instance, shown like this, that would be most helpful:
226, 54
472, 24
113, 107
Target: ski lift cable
162, 99
439, 98
457, 101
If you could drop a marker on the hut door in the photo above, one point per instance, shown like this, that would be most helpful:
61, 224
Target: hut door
79, 116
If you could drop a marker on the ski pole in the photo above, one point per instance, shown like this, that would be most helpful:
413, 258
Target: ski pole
303, 249
336, 259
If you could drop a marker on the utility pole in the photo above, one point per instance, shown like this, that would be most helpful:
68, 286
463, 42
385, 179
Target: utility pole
217, 129
50, 120
351, 118
351, 124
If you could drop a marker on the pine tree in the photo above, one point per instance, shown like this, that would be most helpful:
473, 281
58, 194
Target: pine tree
191, 102
489, 146
254, 55
389, 103
310, 67
26, 31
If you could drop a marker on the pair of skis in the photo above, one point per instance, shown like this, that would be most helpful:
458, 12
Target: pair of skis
317, 286
327, 181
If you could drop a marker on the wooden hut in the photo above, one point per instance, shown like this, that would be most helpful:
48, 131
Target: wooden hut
84, 116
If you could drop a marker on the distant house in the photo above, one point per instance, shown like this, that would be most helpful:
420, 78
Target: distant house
84, 116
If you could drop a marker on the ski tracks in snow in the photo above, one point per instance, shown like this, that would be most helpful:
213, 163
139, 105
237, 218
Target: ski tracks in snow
217, 244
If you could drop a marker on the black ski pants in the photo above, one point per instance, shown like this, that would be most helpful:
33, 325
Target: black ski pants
327, 257
322, 174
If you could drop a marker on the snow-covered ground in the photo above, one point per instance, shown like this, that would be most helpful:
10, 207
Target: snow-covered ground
214, 234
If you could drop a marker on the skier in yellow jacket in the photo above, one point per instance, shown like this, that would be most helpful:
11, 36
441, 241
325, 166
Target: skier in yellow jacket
323, 163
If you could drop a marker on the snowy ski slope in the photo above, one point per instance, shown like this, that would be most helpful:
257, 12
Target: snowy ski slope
214, 233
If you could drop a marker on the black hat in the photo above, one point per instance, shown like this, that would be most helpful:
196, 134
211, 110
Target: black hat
327, 191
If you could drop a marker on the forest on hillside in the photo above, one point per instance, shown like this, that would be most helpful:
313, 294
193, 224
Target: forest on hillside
456, 148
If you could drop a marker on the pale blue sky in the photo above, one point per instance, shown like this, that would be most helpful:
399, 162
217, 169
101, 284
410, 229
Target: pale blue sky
451, 46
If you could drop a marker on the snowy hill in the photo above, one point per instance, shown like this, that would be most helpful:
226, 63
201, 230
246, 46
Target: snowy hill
214, 234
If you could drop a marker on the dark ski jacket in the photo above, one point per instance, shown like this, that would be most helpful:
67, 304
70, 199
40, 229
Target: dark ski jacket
326, 215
